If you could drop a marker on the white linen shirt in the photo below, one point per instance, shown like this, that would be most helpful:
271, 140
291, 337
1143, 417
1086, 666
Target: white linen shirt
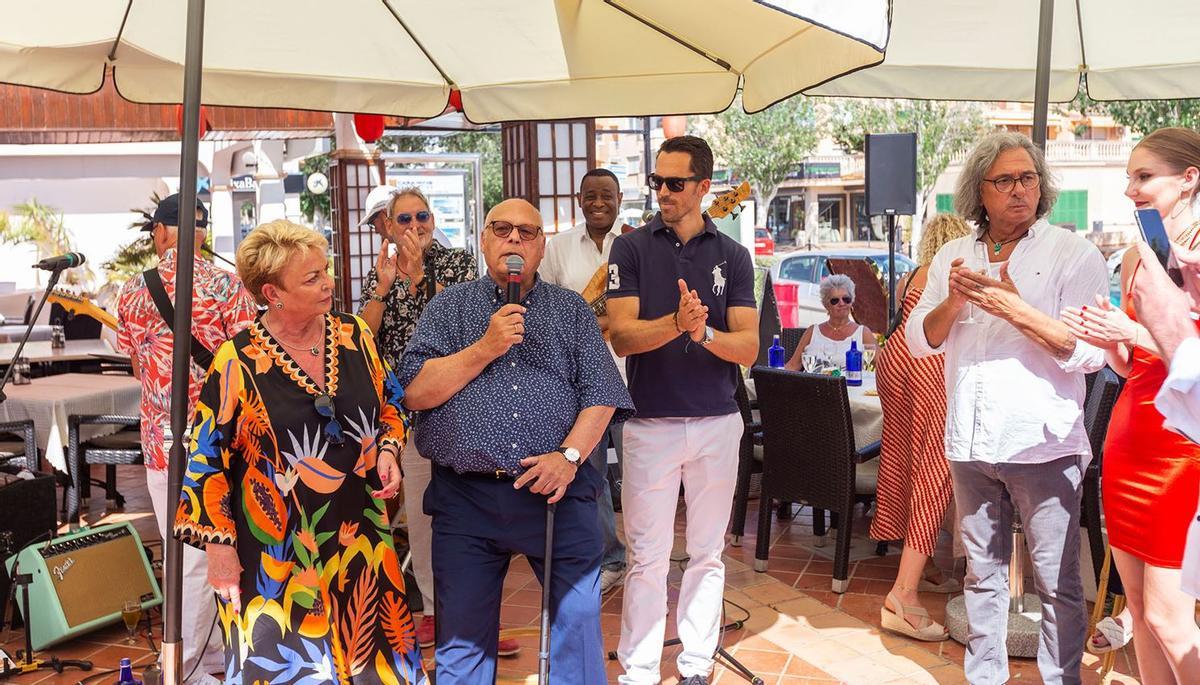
1008, 399
570, 261
1179, 402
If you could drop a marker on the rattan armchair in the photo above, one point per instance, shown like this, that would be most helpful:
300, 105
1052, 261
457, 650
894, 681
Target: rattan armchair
1103, 389
809, 455
120, 448
18, 444
749, 463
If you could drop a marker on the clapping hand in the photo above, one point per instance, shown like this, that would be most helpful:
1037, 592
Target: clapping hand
410, 260
1000, 298
1102, 326
692, 315
385, 267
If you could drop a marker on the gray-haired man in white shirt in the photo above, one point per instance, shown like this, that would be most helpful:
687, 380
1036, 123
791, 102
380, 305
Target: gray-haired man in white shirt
1015, 385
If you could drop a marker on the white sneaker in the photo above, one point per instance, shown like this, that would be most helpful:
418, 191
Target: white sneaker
610, 580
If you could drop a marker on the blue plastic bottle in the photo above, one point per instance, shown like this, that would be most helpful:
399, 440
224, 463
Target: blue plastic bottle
853, 364
775, 355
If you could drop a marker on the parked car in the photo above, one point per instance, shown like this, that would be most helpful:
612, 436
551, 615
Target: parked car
764, 244
1114, 276
797, 276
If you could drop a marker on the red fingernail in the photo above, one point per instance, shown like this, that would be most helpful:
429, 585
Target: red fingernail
1085, 307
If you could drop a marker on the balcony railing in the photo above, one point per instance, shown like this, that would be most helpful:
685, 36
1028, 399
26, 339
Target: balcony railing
1095, 151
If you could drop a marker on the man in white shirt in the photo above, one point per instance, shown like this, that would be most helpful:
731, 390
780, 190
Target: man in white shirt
1015, 385
1167, 312
572, 259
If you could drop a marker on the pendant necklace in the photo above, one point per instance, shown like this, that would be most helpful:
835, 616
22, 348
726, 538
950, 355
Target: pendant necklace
314, 350
997, 246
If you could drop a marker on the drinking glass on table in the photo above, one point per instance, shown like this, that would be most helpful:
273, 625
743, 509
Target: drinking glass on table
131, 613
979, 264
869, 359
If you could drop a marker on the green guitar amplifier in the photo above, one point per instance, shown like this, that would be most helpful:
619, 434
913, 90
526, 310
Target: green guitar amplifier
81, 581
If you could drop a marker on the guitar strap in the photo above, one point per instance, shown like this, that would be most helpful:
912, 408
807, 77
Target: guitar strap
200, 354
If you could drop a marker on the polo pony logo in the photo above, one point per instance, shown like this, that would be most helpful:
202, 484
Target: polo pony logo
718, 279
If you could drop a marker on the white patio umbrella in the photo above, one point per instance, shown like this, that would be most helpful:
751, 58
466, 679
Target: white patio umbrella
987, 50
511, 59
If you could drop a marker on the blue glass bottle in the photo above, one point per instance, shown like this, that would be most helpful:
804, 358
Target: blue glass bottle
775, 355
853, 364
127, 673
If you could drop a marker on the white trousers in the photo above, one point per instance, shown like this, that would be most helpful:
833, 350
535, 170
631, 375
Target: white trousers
416, 470
199, 608
702, 453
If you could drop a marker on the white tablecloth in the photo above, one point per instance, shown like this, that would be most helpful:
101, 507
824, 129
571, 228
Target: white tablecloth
866, 412
49, 400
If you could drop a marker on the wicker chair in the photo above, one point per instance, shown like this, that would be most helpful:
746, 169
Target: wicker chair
790, 339
120, 448
1103, 389
18, 444
811, 460
749, 463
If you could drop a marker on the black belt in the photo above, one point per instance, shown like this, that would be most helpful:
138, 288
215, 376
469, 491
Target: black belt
491, 476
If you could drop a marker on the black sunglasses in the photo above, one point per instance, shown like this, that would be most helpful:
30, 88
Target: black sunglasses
333, 430
406, 218
673, 183
844, 300
502, 229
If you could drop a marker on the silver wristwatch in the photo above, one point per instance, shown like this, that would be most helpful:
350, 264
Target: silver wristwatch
708, 336
571, 454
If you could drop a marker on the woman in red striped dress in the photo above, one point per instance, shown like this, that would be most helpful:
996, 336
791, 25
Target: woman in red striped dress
914, 480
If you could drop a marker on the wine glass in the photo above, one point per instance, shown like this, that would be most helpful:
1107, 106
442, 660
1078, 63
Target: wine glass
979, 264
869, 359
131, 613
809, 360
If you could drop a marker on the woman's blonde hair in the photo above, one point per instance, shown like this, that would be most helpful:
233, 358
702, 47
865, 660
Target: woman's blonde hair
939, 230
267, 250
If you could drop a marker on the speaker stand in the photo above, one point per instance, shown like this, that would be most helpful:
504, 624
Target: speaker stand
891, 233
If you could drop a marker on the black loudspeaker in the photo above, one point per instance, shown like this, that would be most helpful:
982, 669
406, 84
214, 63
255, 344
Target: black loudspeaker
891, 173
26, 513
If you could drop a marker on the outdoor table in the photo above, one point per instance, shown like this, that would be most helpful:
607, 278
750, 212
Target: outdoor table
41, 352
49, 400
866, 411
11, 333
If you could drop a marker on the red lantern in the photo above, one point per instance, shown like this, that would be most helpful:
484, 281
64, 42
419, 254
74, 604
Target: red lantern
205, 127
369, 127
456, 100
674, 126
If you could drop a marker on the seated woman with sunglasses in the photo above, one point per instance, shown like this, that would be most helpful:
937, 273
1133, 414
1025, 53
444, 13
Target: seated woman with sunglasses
297, 432
831, 339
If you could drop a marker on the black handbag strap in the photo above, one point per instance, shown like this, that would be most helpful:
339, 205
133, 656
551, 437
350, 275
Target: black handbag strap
200, 354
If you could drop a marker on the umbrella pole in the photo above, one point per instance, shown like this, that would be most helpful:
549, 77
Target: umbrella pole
1041, 84
172, 644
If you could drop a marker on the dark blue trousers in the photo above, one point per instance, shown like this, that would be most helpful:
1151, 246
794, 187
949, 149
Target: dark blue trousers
478, 525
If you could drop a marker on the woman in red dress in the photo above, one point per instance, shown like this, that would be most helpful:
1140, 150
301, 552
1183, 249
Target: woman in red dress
1151, 475
914, 478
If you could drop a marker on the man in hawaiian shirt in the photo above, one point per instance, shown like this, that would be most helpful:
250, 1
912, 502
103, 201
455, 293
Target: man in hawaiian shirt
221, 307
393, 298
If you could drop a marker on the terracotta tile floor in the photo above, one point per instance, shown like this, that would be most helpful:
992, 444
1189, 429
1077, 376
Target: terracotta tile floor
796, 630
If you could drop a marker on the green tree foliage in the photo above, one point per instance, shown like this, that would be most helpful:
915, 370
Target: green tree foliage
43, 227
763, 148
486, 143
943, 130
313, 205
1144, 116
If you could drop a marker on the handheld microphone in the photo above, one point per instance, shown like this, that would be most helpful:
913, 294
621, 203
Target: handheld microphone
515, 264
62, 261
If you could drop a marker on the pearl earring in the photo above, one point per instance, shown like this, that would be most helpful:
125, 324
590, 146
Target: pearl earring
279, 305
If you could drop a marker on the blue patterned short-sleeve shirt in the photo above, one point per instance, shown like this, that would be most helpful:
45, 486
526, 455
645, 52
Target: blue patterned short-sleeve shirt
526, 401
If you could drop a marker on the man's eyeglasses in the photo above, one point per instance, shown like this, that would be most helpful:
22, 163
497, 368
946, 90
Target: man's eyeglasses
673, 183
1005, 184
333, 429
405, 218
844, 300
502, 229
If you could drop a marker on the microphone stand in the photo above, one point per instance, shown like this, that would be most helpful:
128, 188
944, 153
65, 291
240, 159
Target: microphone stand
12, 364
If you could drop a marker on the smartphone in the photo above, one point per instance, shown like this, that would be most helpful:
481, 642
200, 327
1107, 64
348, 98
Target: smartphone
1155, 234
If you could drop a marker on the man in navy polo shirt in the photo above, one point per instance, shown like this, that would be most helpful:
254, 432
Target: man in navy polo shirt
681, 308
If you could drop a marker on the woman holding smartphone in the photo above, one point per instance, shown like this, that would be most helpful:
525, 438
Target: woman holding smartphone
1151, 475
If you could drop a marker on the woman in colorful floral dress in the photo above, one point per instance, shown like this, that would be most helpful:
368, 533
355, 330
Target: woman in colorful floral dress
294, 449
